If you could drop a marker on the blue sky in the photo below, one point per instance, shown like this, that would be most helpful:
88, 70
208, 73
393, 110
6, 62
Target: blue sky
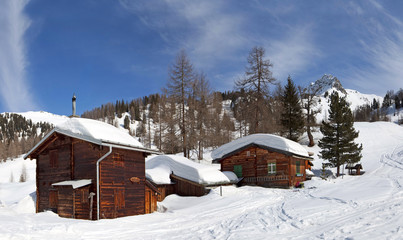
105, 50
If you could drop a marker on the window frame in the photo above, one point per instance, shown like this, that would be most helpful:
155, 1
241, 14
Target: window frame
272, 167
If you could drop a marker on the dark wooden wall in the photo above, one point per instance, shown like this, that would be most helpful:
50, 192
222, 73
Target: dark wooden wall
165, 190
65, 158
120, 196
255, 171
52, 166
184, 187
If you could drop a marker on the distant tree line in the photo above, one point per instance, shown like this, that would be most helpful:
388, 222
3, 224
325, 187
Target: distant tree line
376, 111
18, 135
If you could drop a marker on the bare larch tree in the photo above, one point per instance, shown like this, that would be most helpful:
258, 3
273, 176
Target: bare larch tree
256, 82
181, 75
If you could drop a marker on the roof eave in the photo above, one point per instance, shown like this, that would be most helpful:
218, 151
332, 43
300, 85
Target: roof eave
91, 140
218, 160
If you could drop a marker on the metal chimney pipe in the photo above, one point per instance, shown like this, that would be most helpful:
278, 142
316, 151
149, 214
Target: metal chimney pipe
74, 105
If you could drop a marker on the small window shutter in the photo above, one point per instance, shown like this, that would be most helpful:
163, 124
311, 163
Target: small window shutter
238, 170
53, 158
298, 170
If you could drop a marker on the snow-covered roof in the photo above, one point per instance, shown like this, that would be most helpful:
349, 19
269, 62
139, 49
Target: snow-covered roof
96, 132
159, 168
74, 183
268, 141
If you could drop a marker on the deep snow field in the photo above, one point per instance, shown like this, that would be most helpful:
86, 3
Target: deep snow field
353, 207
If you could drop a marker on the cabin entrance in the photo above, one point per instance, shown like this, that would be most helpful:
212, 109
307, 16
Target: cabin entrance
53, 200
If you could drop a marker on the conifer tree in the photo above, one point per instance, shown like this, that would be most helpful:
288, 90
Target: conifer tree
291, 118
338, 146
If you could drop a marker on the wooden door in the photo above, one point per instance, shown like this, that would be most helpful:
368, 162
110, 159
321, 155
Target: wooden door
148, 201
53, 200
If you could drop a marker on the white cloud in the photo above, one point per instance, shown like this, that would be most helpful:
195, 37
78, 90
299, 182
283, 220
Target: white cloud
14, 85
206, 29
293, 53
382, 51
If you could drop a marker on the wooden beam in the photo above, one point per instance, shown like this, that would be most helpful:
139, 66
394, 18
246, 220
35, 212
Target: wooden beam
40, 149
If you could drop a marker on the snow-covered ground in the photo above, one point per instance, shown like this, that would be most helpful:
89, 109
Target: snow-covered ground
355, 207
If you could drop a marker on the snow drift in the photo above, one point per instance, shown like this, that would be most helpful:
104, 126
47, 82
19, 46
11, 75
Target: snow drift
158, 169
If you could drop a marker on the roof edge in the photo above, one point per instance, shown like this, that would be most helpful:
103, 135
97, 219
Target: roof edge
89, 139
218, 160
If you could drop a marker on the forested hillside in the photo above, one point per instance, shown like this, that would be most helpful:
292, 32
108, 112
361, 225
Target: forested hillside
18, 134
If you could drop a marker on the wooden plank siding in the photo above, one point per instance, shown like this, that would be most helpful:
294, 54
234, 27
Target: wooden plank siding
184, 187
119, 196
65, 158
165, 190
254, 162
52, 171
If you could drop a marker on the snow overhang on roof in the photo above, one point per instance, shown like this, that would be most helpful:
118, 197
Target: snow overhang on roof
160, 168
74, 183
266, 141
96, 132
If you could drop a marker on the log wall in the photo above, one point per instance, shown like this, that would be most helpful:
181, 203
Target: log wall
254, 162
52, 166
64, 158
120, 196
184, 187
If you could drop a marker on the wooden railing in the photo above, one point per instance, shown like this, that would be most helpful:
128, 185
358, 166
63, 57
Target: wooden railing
265, 179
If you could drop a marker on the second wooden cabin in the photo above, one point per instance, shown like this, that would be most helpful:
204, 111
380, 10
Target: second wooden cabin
265, 160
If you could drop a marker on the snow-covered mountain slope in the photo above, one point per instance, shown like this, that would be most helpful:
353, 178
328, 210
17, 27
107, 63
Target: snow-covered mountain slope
354, 98
41, 116
353, 207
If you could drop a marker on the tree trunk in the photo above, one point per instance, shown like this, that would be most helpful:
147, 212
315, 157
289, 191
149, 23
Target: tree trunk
310, 136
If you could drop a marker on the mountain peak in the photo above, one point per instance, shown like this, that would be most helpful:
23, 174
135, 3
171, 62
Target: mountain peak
328, 81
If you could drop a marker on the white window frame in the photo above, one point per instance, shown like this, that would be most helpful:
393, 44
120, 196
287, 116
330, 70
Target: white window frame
271, 168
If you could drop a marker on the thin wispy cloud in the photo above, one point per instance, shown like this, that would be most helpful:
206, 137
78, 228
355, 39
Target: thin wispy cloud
382, 49
204, 28
293, 53
14, 88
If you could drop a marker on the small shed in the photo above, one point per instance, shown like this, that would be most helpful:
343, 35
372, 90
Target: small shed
88, 169
354, 169
173, 174
265, 160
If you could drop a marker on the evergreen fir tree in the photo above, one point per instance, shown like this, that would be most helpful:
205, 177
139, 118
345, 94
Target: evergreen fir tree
337, 144
291, 118
126, 122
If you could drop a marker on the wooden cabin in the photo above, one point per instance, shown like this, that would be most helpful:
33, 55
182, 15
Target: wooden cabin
181, 176
354, 169
264, 160
88, 169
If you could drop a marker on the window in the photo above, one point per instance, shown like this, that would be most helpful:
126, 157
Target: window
53, 157
248, 153
238, 170
298, 168
271, 167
